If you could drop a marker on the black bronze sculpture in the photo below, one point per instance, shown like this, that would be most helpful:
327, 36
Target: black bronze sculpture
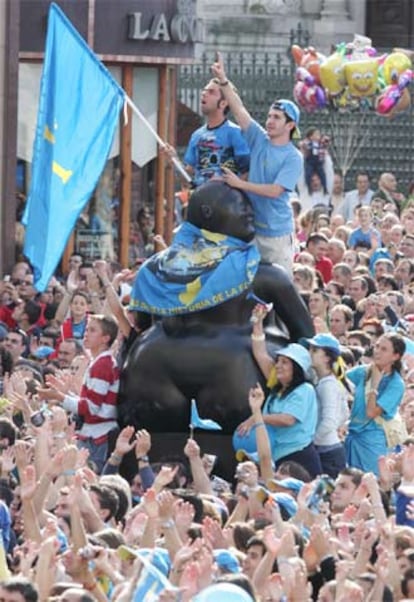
205, 353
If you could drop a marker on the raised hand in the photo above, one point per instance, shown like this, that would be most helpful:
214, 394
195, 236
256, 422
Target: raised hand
256, 398
125, 441
218, 69
143, 443
192, 449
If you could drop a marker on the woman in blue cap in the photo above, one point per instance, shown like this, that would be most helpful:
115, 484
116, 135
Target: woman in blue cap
290, 411
332, 397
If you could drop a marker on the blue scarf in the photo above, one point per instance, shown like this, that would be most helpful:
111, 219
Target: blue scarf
200, 270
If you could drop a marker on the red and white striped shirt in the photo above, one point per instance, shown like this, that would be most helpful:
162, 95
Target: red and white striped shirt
98, 397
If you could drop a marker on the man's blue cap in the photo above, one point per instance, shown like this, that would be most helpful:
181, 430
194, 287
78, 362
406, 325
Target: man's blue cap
290, 483
227, 561
286, 502
291, 110
42, 352
325, 341
243, 454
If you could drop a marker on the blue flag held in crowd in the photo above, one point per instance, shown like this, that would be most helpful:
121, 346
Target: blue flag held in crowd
78, 113
202, 423
201, 269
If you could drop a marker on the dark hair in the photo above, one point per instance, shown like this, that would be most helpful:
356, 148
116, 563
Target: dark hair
121, 488
388, 279
256, 540
398, 346
242, 533
316, 237
108, 499
298, 378
6, 361
408, 576
7, 430
22, 586
293, 469
355, 473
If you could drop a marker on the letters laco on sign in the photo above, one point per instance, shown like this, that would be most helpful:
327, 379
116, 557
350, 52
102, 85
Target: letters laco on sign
182, 28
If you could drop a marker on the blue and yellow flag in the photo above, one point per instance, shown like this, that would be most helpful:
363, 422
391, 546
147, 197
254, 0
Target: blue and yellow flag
200, 270
79, 109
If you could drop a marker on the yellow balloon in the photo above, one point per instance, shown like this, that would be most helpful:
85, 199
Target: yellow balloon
394, 65
332, 74
361, 77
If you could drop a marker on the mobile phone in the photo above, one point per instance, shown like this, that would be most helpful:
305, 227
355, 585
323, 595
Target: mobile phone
6, 278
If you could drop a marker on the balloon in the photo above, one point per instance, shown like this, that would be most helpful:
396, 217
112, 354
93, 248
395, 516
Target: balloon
306, 91
389, 101
394, 65
332, 73
308, 58
361, 77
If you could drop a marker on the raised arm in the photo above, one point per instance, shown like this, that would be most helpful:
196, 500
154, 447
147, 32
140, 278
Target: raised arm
259, 349
236, 105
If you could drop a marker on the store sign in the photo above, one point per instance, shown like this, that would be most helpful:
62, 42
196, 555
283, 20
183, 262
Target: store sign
181, 28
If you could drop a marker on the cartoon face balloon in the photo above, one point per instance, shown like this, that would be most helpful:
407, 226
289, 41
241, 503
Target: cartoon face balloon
332, 74
394, 65
361, 77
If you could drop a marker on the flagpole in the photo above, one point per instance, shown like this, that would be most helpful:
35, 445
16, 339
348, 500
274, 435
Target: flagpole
177, 163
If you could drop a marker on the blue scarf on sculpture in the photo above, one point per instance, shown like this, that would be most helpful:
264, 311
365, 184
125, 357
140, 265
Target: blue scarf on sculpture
200, 270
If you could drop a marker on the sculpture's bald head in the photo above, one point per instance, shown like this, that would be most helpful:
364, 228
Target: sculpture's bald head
217, 207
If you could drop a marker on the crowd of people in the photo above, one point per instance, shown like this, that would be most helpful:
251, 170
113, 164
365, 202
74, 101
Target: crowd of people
322, 502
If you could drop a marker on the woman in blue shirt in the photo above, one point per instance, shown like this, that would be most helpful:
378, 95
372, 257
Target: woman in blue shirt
379, 390
290, 411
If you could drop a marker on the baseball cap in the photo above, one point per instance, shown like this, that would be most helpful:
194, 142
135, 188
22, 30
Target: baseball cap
325, 340
286, 503
291, 110
244, 454
42, 352
290, 484
227, 561
298, 354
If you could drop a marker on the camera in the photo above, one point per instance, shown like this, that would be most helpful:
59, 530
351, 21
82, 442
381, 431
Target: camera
38, 418
321, 492
88, 553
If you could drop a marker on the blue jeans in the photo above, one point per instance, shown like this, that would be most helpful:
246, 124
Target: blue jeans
333, 460
98, 454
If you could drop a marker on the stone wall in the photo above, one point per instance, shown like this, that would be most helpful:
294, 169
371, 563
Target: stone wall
266, 25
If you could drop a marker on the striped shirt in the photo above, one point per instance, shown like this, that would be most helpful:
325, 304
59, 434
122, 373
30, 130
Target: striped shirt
96, 404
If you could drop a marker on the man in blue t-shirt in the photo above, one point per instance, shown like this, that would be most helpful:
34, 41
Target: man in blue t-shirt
218, 144
275, 167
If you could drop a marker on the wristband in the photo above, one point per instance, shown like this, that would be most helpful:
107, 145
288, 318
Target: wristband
68, 473
222, 84
168, 524
116, 458
143, 459
258, 337
260, 423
